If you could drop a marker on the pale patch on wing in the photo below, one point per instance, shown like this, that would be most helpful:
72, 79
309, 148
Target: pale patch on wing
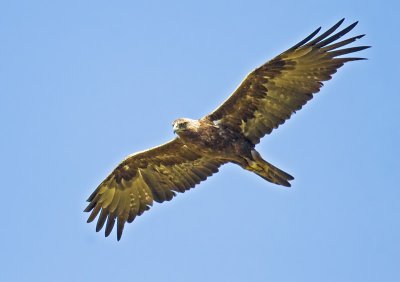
216, 122
242, 126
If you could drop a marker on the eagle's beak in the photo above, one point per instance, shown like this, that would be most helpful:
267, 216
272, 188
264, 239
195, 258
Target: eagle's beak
175, 127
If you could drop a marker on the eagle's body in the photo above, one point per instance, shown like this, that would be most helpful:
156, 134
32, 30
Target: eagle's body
221, 142
266, 99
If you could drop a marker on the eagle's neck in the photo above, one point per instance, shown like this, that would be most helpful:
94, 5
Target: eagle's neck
198, 133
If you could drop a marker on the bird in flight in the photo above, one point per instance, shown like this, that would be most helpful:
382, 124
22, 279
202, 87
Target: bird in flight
266, 98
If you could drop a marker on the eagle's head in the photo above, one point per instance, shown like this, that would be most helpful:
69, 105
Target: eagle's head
185, 124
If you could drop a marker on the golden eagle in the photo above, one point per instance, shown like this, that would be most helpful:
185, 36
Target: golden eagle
267, 97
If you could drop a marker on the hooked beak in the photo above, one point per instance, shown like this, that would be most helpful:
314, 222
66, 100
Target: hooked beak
175, 128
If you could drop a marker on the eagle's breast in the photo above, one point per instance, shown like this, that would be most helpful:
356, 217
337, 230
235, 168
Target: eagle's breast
213, 140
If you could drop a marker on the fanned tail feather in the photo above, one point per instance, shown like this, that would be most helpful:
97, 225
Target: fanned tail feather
269, 172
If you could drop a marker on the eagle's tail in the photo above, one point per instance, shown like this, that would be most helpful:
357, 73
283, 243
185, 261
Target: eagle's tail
268, 171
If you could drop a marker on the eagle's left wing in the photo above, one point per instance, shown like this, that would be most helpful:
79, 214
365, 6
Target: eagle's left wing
273, 92
155, 174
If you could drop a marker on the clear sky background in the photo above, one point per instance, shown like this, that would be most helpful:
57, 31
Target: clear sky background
85, 83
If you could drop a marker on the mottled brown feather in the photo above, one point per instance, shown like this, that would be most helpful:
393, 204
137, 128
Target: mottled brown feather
273, 92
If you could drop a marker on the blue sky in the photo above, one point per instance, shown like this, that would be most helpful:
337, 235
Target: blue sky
85, 83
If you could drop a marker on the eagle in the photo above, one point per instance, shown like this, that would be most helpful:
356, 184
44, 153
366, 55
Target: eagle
266, 98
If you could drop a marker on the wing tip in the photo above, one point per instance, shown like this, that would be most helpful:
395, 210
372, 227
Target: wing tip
119, 235
360, 36
351, 26
120, 227
305, 40
321, 38
109, 225
88, 208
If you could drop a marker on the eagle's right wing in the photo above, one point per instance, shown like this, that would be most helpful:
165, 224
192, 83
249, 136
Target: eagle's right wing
150, 175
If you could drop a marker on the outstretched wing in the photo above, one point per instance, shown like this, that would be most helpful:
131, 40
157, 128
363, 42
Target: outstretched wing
271, 93
155, 174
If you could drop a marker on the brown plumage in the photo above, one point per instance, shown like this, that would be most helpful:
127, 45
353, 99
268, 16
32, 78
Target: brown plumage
265, 99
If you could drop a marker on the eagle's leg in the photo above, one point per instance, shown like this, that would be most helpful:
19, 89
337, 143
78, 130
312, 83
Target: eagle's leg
266, 170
